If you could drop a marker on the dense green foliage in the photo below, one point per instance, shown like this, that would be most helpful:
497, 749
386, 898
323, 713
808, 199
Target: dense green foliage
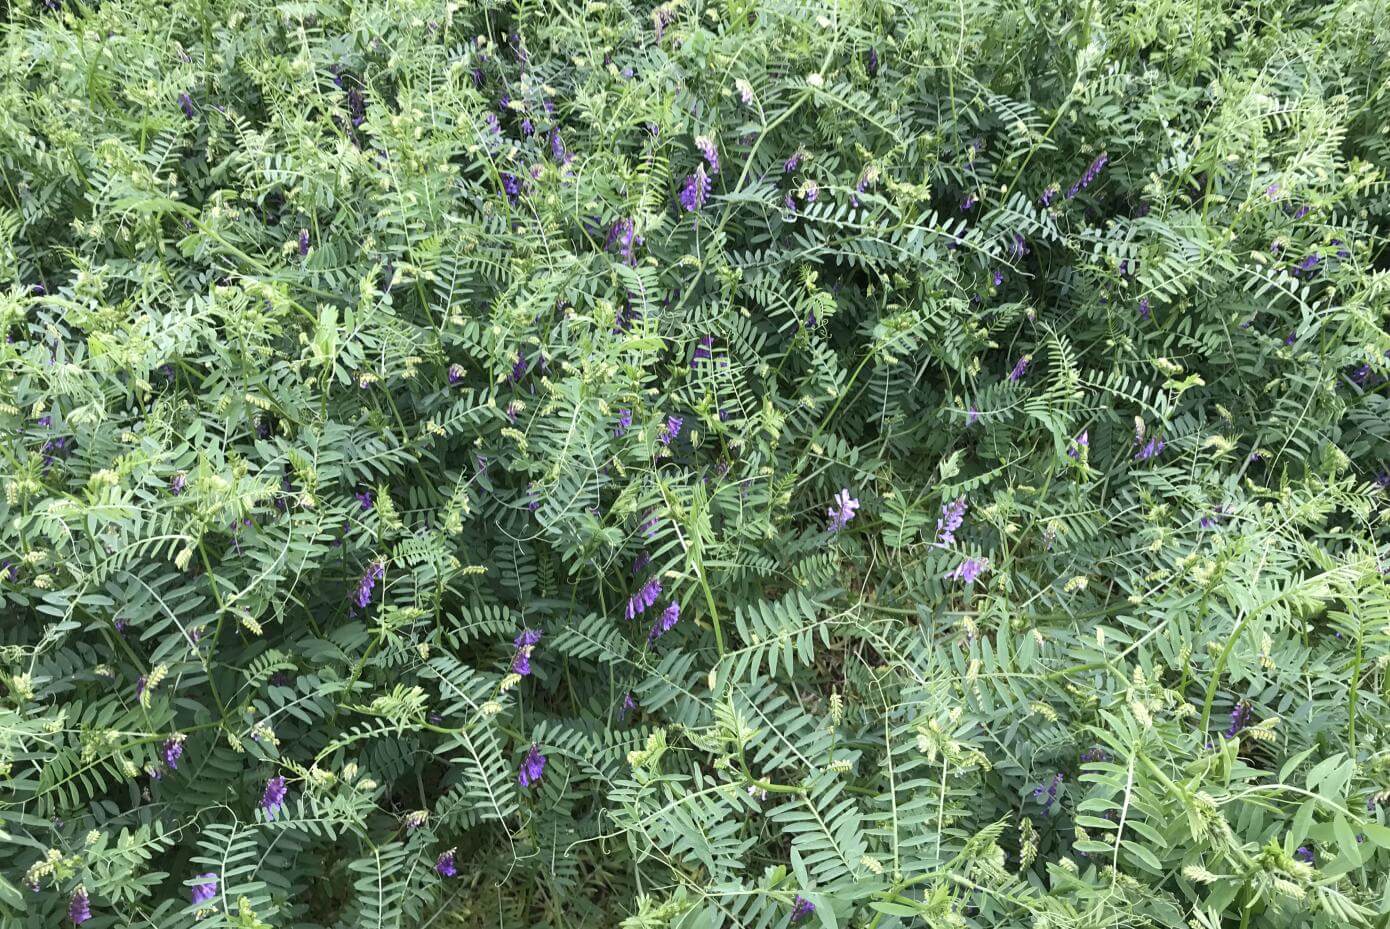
351, 344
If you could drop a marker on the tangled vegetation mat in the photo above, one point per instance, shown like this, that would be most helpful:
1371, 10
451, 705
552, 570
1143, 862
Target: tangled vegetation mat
729, 463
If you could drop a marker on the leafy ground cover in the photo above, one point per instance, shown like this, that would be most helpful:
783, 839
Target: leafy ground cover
738, 463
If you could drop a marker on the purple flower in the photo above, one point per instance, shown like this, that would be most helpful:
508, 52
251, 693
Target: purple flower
670, 430
1240, 716
1301, 211
624, 424
1048, 195
952, 515
455, 373
623, 239
1143, 307
525, 643
644, 597
969, 570
1211, 520
273, 799
662, 17
205, 889
972, 416
641, 561
511, 185
356, 105
1081, 442
872, 68
557, 148
711, 154
1018, 247
79, 909
178, 483
520, 367
1095, 753
648, 528
628, 705
802, 909
696, 190
364, 497
444, 864
702, 350
794, 162
375, 572
1047, 793
669, 617
842, 511
532, 767
1151, 449
1304, 854
173, 751
1309, 262
1020, 369
1090, 175
186, 104
968, 202
303, 243
998, 277
810, 191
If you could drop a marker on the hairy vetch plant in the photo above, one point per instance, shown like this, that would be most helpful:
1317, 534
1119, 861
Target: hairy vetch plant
736, 463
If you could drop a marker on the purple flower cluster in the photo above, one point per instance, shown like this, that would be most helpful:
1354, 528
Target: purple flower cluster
177, 483
952, 515
1144, 308
1079, 445
557, 148
524, 643
711, 154
79, 907
624, 424
186, 104
645, 596
969, 570
702, 351
532, 767
670, 430
172, 752
1090, 175
273, 798
802, 909
1240, 718
1151, 449
205, 889
511, 186
1047, 793
669, 617
696, 190
367, 584
842, 511
623, 239
444, 864
1020, 368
